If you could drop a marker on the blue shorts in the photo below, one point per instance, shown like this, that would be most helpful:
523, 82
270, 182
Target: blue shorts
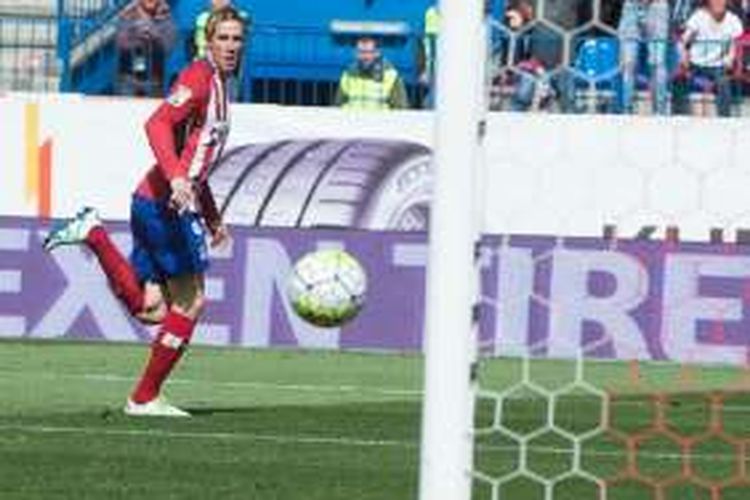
165, 243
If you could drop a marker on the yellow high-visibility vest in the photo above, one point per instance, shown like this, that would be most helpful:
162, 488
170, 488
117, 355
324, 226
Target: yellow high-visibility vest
431, 31
364, 93
200, 34
432, 21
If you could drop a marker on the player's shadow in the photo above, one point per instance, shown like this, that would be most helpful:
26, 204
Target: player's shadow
207, 412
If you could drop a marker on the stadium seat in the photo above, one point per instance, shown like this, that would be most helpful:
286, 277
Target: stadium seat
597, 71
598, 59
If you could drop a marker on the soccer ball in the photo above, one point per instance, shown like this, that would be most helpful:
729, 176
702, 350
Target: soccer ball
327, 288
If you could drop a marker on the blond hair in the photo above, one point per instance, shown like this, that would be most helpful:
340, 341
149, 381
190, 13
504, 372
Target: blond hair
227, 13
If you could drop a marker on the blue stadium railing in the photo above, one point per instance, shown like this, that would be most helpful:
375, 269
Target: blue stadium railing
284, 64
85, 45
297, 65
301, 65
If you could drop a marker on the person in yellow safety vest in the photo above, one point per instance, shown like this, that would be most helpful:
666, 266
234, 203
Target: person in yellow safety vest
371, 83
429, 42
427, 56
199, 35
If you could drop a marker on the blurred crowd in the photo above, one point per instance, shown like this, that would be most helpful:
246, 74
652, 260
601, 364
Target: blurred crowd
631, 56
640, 56
146, 34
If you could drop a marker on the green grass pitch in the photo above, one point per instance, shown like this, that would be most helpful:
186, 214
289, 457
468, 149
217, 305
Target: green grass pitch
310, 425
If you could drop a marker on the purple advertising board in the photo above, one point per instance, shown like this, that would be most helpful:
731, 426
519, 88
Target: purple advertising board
548, 296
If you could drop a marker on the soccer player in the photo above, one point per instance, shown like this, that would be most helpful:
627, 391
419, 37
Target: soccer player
172, 211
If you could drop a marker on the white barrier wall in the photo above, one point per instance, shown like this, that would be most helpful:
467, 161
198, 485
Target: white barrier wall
546, 174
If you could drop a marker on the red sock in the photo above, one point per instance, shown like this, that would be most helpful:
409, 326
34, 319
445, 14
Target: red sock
166, 351
121, 275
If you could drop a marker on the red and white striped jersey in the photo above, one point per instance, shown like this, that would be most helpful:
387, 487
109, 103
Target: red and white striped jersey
188, 131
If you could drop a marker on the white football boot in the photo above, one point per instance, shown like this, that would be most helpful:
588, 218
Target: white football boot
74, 231
155, 408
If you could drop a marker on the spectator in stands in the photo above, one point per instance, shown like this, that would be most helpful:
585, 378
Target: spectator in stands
683, 9
145, 36
707, 52
537, 74
530, 81
428, 52
199, 34
645, 22
371, 83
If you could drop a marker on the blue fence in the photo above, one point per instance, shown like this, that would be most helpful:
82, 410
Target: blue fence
85, 44
292, 65
302, 64
287, 65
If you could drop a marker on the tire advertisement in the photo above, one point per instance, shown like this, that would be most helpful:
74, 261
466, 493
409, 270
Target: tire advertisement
357, 184
293, 182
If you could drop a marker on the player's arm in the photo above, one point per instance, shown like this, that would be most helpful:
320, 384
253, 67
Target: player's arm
186, 99
209, 209
212, 215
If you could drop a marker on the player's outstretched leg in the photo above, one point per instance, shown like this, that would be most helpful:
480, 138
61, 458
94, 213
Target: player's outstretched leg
168, 347
86, 228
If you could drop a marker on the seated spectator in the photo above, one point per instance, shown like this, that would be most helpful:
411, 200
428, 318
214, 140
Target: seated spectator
683, 9
707, 52
199, 34
145, 36
371, 83
530, 80
645, 22
538, 52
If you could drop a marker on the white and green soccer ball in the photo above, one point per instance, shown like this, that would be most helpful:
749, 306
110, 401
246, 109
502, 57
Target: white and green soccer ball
327, 288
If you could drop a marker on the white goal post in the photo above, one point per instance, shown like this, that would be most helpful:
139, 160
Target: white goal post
452, 282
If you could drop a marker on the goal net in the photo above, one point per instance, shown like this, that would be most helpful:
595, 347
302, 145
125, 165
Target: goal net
612, 305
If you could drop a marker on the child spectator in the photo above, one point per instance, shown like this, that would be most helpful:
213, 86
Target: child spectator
707, 50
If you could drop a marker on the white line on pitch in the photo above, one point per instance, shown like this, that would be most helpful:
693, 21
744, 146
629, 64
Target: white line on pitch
314, 388
340, 441
234, 384
549, 450
159, 433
